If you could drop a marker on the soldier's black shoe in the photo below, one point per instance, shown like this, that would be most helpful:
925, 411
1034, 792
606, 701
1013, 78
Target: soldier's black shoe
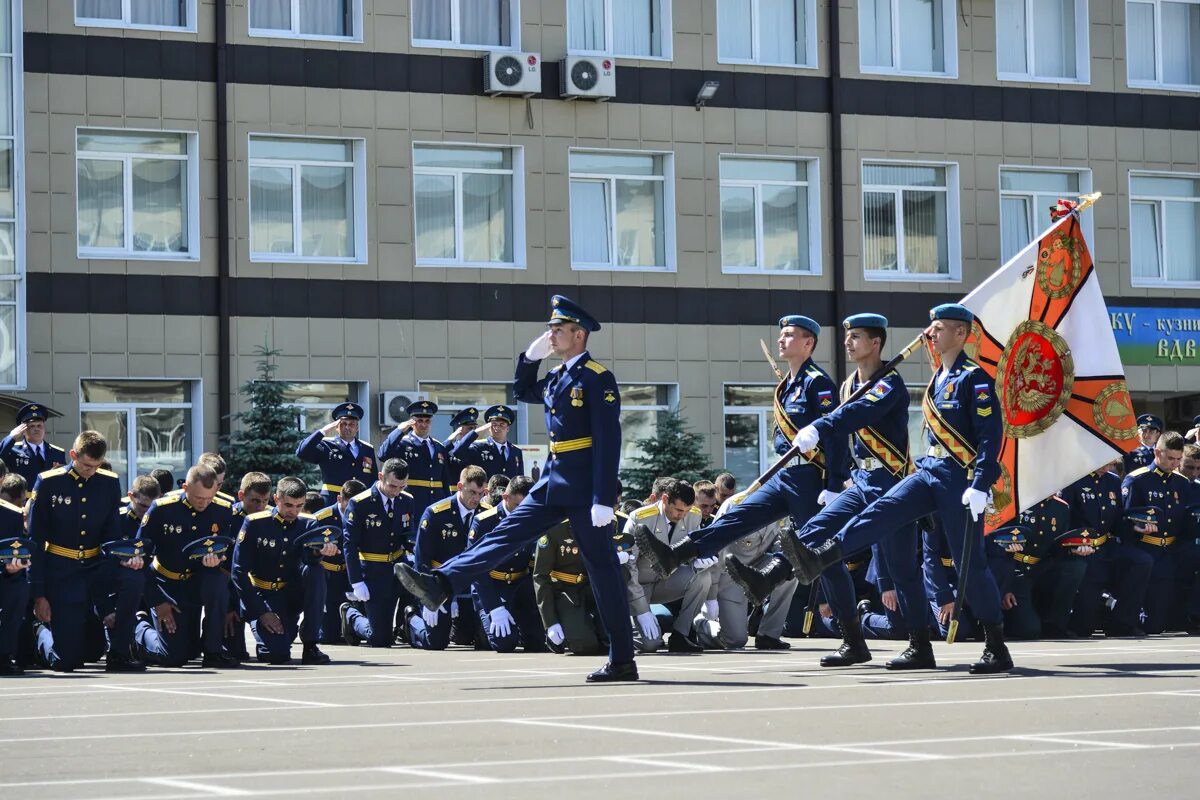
313, 656
115, 662
770, 643
430, 588
10, 667
611, 673
810, 562
663, 557
863, 607
348, 633
854, 646
1124, 632
754, 583
678, 643
918, 654
220, 661
996, 657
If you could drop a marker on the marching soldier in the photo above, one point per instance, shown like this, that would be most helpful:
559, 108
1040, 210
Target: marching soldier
15, 554
583, 420
34, 455
504, 600
377, 524
963, 423
427, 458
336, 584
1150, 428
339, 457
495, 454
564, 596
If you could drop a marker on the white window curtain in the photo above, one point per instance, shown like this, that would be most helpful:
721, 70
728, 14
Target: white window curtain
585, 24
158, 12
325, 17
435, 216
735, 39
1182, 221
1054, 40
1181, 43
881, 252
274, 15
326, 211
639, 219
591, 228
926, 241
1014, 226
485, 22
1143, 240
98, 9
785, 227
271, 220
101, 204
1012, 33
738, 245
432, 20
1140, 41
159, 217
487, 218
922, 36
781, 32
637, 27
875, 25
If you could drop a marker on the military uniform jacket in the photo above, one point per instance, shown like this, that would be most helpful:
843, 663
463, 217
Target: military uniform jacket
265, 560
71, 518
130, 522
337, 461
583, 423
21, 458
639, 566
373, 535
332, 515
486, 454
963, 415
442, 534
513, 568
169, 525
429, 477
1169, 492
558, 569
877, 427
12, 523
1045, 520
801, 400
1140, 456
1096, 503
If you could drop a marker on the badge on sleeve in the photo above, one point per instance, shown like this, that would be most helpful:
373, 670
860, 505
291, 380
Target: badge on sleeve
544, 541
825, 398
610, 396
879, 391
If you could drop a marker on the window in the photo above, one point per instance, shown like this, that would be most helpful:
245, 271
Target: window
1026, 196
136, 13
910, 221
770, 216
475, 24
452, 397
774, 32
642, 407
622, 211
1162, 43
307, 19
317, 400
749, 430
468, 205
911, 36
138, 194
1042, 40
307, 199
148, 423
630, 28
12, 202
1164, 228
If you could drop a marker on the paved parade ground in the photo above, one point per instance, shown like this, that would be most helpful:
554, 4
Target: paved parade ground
1097, 719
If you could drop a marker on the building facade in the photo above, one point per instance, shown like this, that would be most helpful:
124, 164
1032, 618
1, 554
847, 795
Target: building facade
188, 181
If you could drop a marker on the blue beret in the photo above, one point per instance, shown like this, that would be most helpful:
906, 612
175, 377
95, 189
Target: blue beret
954, 311
318, 537
500, 412
1013, 534
865, 321
351, 410
1150, 421
564, 309
16, 547
126, 548
422, 408
468, 416
800, 321
199, 548
31, 411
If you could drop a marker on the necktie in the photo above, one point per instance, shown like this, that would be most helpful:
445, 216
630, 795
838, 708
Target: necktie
503, 448
670, 532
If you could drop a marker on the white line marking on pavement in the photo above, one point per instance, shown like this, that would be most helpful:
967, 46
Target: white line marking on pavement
1080, 742
682, 766
453, 777
309, 703
217, 791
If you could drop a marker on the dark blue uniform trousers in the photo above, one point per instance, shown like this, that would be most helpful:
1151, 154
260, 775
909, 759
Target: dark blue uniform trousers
527, 627
78, 591
375, 626
336, 586
205, 592
937, 487
525, 524
307, 597
14, 600
791, 492
1146, 574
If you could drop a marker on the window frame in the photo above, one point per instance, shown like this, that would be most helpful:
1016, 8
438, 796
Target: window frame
518, 433
1158, 82
1083, 59
950, 45
360, 391
766, 423
1161, 282
519, 251
810, 39
668, 25
358, 167
195, 389
18, 276
192, 197
126, 21
356, 20
1085, 187
812, 186
671, 405
514, 12
668, 233
953, 223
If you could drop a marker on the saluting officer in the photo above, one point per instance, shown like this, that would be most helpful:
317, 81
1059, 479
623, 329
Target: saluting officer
34, 455
1150, 428
461, 424
15, 553
339, 457
564, 596
336, 583
496, 455
427, 458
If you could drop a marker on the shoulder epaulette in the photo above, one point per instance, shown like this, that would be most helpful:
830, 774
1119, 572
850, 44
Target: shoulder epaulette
363, 495
693, 510
108, 473
404, 493
124, 500
260, 515
645, 511
596, 367
440, 506
969, 365
168, 499
222, 502
1138, 471
53, 473
10, 506
59, 449
306, 515
491, 512
621, 514
360, 441
813, 372
324, 513
227, 497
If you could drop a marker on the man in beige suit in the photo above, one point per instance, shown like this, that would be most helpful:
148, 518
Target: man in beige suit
671, 518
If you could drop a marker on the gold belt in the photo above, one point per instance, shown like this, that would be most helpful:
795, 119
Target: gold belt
1024, 559
567, 577
333, 567
329, 487
1159, 541
508, 577
947, 562
382, 558
166, 573
571, 445
854, 566
426, 484
267, 586
66, 552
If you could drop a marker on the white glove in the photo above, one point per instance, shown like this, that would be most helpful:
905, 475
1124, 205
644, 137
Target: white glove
826, 497
807, 438
704, 563
430, 616
539, 348
622, 556
502, 622
555, 634
712, 609
454, 609
602, 515
361, 592
649, 625
975, 500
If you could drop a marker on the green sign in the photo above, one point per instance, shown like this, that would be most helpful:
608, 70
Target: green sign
1165, 337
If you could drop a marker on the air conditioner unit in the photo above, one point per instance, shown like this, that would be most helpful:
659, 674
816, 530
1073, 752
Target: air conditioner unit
393, 406
512, 73
592, 77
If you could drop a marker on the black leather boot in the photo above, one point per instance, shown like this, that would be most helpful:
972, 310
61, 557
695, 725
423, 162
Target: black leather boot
810, 562
663, 557
996, 657
854, 646
918, 654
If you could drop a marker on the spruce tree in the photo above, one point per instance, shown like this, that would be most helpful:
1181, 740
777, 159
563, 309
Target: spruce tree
674, 451
266, 436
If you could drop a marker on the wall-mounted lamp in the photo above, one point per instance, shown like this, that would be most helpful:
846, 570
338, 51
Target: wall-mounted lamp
708, 90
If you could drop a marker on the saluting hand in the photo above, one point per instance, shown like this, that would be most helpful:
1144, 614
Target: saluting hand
330, 428
539, 348
18, 432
